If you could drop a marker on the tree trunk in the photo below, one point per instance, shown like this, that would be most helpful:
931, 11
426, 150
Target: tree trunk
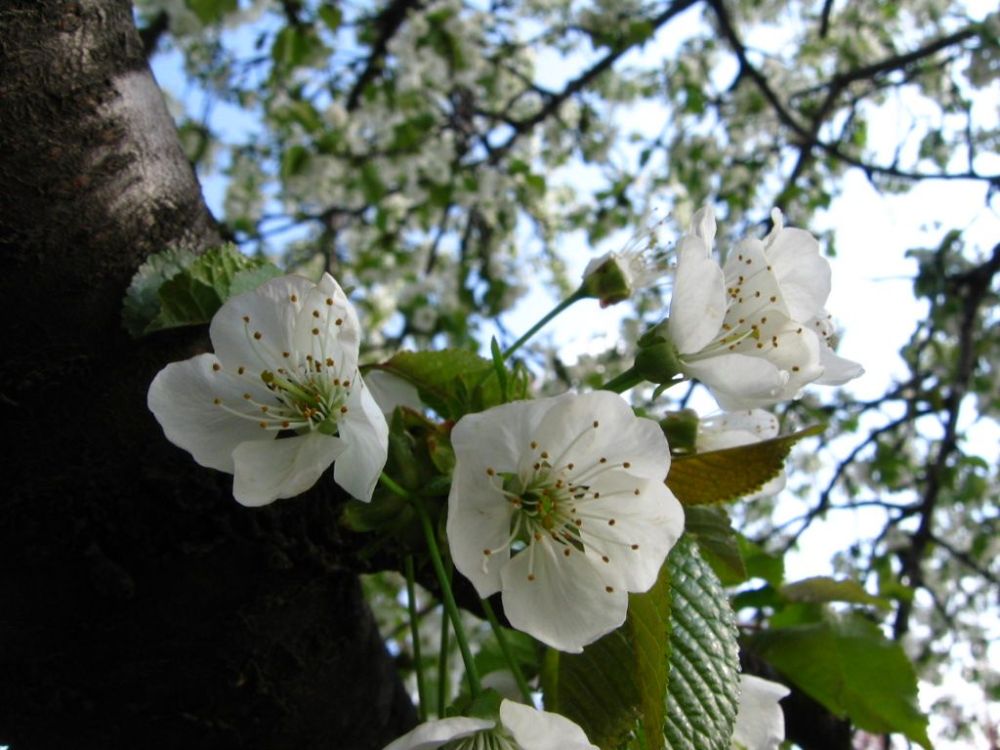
140, 606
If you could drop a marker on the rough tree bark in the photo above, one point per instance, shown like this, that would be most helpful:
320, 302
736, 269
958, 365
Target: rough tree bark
140, 606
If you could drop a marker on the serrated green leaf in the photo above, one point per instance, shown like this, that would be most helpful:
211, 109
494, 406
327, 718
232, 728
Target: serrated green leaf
142, 302
173, 289
820, 589
726, 475
849, 666
717, 541
620, 679
760, 563
703, 679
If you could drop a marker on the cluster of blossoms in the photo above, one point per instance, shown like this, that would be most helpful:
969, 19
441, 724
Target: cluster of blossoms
559, 504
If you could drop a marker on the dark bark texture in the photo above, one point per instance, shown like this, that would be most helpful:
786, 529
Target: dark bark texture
140, 606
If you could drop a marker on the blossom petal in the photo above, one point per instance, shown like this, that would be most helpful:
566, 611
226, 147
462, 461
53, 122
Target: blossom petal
366, 436
739, 381
760, 722
803, 273
479, 519
600, 425
497, 437
698, 304
182, 397
434, 734
734, 428
268, 471
326, 327
634, 532
568, 602
390, 391
837, 370
541, 730
269, 311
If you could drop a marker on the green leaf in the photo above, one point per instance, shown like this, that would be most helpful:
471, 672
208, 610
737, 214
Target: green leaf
142, 302
704, 664
727, 475
761, 564
849, 666
332, 15
210, 11
176, 288
619, 679
455, 382
820, 589
717, 541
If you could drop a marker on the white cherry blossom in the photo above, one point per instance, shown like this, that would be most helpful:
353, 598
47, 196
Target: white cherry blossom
519, 727
760, 722
281, 398
560, 503
754, 331
732, 429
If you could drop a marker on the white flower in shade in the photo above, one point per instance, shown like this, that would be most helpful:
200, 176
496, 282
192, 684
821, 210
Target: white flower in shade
733, 429
520, 728
760, 722
390, 391
281, 399
560, 504
753, 331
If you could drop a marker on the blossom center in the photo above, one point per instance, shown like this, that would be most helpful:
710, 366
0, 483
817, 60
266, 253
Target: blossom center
306, 391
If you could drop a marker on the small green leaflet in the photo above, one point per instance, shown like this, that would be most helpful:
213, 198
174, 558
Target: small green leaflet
727, 475
849, 666
178, 288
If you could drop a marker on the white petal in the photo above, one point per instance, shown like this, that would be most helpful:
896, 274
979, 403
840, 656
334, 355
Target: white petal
434, 734
698, 302
266, 472
318, 333
479, 519
498, 437
646, 526
541, 730
804, 274
271, 313
366, 436
390, 391
760, 723
837, 370
568, 434
569, 603
751, 285
703, 224
182, 396
736, 428
739, 381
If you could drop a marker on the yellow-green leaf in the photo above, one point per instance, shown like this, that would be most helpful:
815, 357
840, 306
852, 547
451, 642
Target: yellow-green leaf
727, 475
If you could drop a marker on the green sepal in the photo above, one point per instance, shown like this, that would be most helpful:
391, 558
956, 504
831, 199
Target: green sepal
608, 283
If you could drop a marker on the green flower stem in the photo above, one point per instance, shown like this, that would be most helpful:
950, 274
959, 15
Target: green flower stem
443, 665
447, 595
411, 605
628, 379
576, 296
449, 599
501, 637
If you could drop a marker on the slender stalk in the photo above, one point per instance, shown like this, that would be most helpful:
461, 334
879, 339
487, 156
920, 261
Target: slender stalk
411, 605
443, 681
628, 379
447, 596
501, 637
576, 296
